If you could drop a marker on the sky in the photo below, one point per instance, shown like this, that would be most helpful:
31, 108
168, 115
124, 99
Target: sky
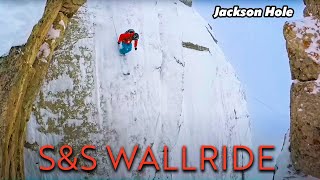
17, 22
256, 49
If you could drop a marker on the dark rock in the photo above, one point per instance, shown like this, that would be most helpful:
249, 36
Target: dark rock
187, 2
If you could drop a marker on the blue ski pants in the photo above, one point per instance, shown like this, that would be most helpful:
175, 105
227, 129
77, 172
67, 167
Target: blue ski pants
125, 48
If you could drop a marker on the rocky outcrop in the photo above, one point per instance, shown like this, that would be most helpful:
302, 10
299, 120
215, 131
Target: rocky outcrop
21, 74
194, 46
312, 8
187, 2
284, 169
303, 46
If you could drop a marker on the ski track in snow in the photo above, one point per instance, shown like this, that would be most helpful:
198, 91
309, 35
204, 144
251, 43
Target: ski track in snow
174, 96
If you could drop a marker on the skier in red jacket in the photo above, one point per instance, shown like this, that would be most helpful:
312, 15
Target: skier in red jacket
126, 41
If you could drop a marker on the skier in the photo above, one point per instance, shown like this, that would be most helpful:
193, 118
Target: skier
125, 39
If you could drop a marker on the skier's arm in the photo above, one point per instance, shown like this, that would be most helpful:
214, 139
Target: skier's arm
135, 43
120, 38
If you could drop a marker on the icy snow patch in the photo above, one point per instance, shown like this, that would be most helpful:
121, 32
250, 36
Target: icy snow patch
30, 137
309, 25
53, 33
74, 122
316, 88
295, 81
61, 84
62, 24
44, 52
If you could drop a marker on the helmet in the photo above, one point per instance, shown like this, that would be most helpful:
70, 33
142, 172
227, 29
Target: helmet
135, 36
130, 31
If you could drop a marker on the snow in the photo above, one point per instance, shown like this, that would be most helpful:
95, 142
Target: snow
42, 139
63, 83
53, 33
44, 52
284, 167
161, 103
316, 88
62, 24
295, 81
17, 19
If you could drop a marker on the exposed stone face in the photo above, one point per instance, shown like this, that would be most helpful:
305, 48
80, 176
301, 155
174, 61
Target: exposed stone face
187, 2
195, 46
302, 37
305, 128
312, 8
21, 76
303, 46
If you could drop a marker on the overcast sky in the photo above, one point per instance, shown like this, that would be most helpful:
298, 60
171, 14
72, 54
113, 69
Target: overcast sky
256, 49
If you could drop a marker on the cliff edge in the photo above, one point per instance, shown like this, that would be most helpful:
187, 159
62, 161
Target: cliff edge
21, 74
303, 46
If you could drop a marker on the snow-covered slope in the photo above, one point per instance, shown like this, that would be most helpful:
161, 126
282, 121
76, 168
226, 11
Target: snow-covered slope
174, 96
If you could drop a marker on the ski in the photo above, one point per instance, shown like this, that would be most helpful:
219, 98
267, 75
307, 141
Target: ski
124, 66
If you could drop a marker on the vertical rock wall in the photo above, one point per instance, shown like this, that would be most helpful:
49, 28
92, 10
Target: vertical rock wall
21, 76
303, 46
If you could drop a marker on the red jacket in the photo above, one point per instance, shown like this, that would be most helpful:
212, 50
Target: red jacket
127, 38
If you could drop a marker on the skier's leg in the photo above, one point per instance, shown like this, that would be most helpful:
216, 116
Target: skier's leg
129, 47
120, 48
123, 49
126, 48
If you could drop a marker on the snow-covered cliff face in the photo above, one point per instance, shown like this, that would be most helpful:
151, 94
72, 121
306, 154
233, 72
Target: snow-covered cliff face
181, 90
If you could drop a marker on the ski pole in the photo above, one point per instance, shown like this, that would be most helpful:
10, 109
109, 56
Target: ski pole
115, 30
